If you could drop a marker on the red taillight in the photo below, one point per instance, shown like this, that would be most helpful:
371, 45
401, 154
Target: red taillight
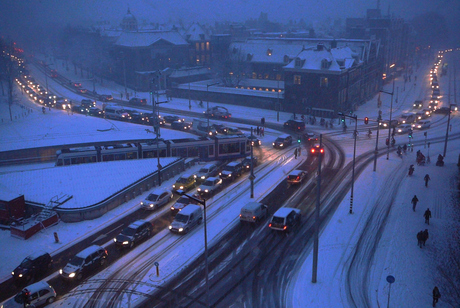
253, 217
322, 150
270, 225
298, 178
240, 215
313, 150
285, 227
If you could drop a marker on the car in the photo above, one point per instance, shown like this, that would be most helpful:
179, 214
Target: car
77, 85
295, 125
404, 129
253, 212
285, 219
82, 90
247, 163
232, 131
84, 262
316, 149
210, 186
42, 91
63, 103
80, 109
138, 101
33, 265
134, 116
427, 112
217, 112
422, 124
231, 171
181, 125
154, 119
454, 107
36, 295
443, 110
134, 233
407, 118
433, 106
436, 93
311, 137
173, 118
282, 141
434, 84
386, 123
206, 171
220, 128
88, 103
296, 176
182, 202
95, 112
185, 182
418, 104
105, 97
255, 142
157, 198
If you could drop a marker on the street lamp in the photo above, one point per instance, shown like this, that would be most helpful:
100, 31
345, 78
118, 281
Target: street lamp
207, 98
391, 112
252, 177
46, 75
278, 98
156, 129
124, 70
355, 133
203, 203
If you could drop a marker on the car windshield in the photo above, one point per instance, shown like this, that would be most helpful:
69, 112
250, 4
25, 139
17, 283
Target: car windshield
278, 220
229, 168
129, 231
76, 261
27, 262
181, 218
183, 200
203, 170
182, 180
208, 183
152, 197
279, 140
19, 298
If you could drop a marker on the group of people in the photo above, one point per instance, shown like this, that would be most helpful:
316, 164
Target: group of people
422, 236
260, 131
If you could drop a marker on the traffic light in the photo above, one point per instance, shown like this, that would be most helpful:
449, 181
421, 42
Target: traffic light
343, 119
298, 139
366, 120
410, 133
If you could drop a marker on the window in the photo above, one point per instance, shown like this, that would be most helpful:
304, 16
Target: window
325, 63
286, 59
269, 52
298, 62
254, 75
202, 46
197, 46
297, 79
43, 292
207, 45
323, 82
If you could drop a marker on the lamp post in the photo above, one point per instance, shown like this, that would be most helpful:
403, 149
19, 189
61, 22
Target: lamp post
156, 126
355, 133
376, 152
189, 100
252, 177
124, 71
391, 112
203, 202
207, 99
278, 96
46, 75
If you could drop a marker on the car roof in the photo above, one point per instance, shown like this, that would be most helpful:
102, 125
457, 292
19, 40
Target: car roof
137, 223
189, 209
91, 249
296, 172
37, 254
284, 211
186, 175
35, 287
233, 163
252, 205
208, 166
212, 178
284, 136
159, 191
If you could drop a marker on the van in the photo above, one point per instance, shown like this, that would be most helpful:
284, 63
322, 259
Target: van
253, 212
282, 141
38, 294
185, 220
285, 219
116, 113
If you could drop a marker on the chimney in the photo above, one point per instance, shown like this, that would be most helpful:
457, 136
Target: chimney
320, 47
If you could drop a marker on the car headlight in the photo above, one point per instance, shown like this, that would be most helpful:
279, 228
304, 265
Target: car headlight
182, 187
174, 186
115, 240
204, 177
125, 242
20, 275
151, 205
181, 229
273, 143
142, 203
170, 227
199, 189
12, 273
71, 275
281, 144
172, 208
60, 271
206, 190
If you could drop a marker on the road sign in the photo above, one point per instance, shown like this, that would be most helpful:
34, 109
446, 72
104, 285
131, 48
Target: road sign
390, 279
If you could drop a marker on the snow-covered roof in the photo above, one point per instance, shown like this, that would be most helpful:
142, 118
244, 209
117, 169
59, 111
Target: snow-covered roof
6, 194
144, 39
196, 33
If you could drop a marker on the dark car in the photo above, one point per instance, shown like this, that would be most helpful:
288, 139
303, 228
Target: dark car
134, 116
247, 163
82, 90
316, 149
88, 103
80, 109
231, 171
285, 219
296, 176
295, 125
84, 262
254, 141
418, 104
95, 112
217, 112
138, 101
220, 128
134, 233
105, 97
62, 103
311, 137
173, 118
32, 266
442, 110
282, 141
181, 125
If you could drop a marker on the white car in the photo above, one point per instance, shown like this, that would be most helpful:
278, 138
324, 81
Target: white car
157, 198
403, 128
422, 124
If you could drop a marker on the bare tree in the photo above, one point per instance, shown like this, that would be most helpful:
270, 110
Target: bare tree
232, 68
7, 68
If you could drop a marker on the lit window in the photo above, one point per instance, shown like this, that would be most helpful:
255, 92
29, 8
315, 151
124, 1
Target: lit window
297, 79
323, 82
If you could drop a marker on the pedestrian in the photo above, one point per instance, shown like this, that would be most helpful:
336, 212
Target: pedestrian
414, 202
300, 151
295, 153
436, 296
424, 236
419, 239
258, 130
426, 178
262, 131
427, 216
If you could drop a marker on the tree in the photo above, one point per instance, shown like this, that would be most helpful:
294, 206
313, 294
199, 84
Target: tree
7, 70
232, 68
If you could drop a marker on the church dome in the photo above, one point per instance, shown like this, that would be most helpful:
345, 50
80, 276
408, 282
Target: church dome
129, 22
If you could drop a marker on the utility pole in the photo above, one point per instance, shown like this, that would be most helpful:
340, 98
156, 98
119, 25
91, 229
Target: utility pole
318, 202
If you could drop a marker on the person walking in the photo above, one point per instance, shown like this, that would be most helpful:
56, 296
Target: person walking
300, 151
414, 202
420, 239
427, 216
424, 236
258, 130
295, 153
436, 296
426, 178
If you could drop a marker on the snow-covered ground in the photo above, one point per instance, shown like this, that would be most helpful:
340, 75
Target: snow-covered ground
397, 254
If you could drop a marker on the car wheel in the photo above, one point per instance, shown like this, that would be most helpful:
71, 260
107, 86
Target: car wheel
130, 246
102, 261
79, 276
50, 300
200, 220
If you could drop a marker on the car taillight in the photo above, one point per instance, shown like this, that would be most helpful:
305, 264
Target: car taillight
270, 225
313, 150
298, 178
285, 227
254, 217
